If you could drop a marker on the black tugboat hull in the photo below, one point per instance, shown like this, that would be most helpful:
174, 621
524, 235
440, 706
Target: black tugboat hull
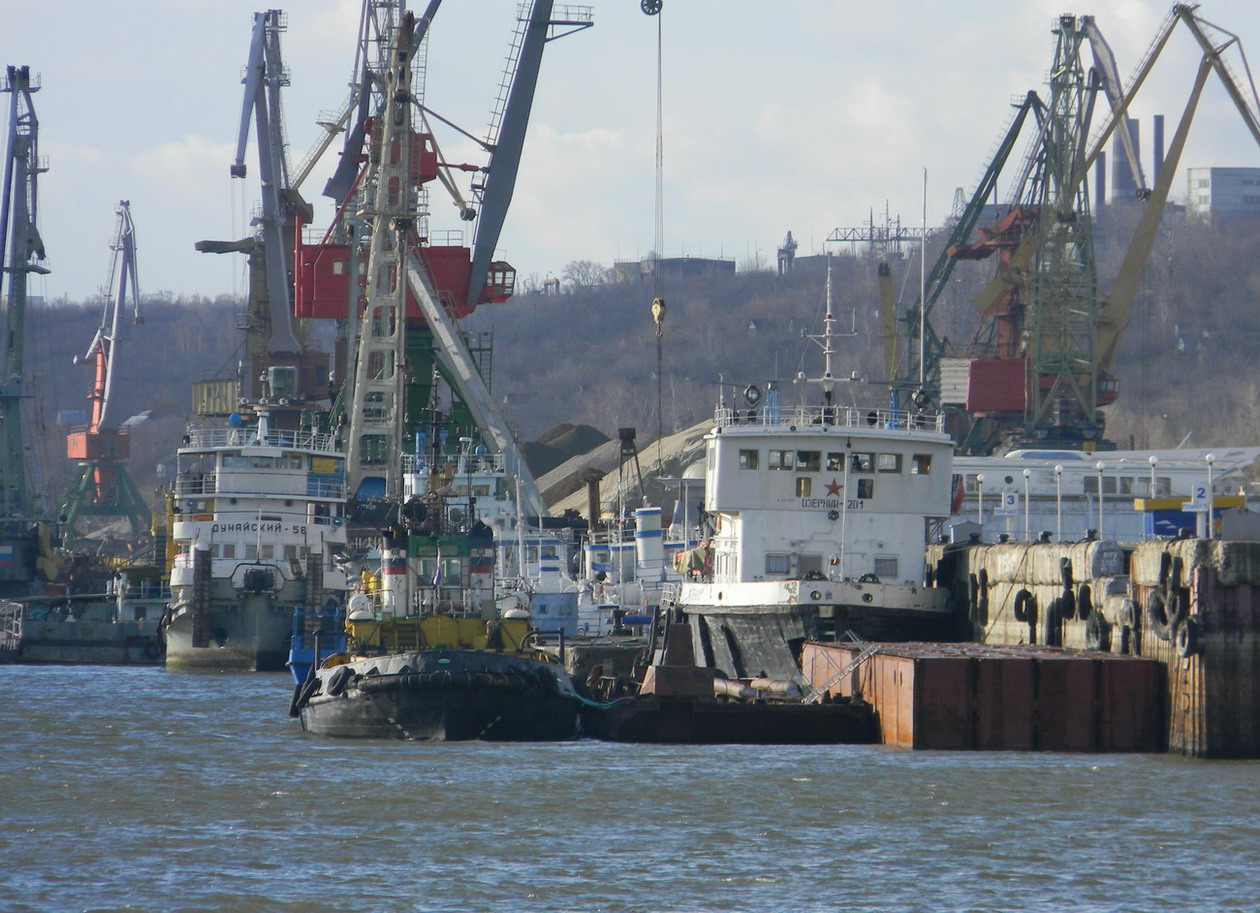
691, 722
441, 696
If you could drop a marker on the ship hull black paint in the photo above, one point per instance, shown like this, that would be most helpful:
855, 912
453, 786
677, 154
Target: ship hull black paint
689, 721
443, 696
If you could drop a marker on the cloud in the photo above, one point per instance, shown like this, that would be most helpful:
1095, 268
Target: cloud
195, 166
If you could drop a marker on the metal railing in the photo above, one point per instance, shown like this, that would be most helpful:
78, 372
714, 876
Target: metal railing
831, 416
211, 438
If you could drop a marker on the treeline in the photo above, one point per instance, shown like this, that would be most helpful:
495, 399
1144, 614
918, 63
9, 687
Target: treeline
591, 355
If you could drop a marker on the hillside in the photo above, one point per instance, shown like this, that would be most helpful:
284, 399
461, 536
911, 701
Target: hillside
589, 357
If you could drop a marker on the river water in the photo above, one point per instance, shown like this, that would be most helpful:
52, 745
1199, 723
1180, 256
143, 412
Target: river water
140, 789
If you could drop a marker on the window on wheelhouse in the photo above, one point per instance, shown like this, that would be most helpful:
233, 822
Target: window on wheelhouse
778, 565
808, 460
804, 485
865, 488
888, 462
921, 464
835, 462
749, 459
886, 567
782, 459
863, 462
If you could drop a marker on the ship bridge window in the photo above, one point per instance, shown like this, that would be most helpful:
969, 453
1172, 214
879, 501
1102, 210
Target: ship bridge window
921, 465
865, 488
229, 550
267, 552
835, 462
749, 459
262, 462
778, 565
863, 462
808, 460
888, 462
886, 567
804, 485
782, 459
809, 564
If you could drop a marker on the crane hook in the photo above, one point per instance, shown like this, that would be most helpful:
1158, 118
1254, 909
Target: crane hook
650, 7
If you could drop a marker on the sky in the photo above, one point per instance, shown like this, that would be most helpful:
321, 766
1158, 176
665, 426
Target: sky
801, 116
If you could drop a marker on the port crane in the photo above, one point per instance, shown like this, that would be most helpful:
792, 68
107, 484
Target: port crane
1038, 370
280, 366
381, 247
21, 513
104, 488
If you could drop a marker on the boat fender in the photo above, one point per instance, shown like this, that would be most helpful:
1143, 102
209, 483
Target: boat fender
1084, 602
1165, 561
973, 593
1188, 636
1054, 611
152, 650
293, 704
1175, 572
1128, 613
338, 681
1067, 605
1065, 571
1025, 606
303, 694
1126, 639
1097, 632
1159, 614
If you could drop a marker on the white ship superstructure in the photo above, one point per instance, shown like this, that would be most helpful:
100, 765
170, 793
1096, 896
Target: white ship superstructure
258, 527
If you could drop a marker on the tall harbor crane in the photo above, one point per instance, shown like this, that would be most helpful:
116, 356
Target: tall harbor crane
279, 364
104, 488
22, 249
1038, 369
443, 280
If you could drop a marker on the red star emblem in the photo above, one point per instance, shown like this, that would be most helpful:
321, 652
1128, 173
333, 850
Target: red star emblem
833, 487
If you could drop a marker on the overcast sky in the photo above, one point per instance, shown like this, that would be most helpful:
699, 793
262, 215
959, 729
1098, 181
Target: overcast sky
800, 115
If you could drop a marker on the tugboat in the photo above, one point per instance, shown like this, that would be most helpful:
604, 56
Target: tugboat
431, 655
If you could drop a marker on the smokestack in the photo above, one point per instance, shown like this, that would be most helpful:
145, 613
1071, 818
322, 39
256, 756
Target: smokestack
1100, 180
1157, 140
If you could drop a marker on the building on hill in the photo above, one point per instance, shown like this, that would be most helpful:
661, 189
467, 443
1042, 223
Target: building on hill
671, 268
1224, 192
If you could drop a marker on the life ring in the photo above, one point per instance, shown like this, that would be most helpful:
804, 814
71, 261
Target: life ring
1084, 602
1025, 606
1188, 636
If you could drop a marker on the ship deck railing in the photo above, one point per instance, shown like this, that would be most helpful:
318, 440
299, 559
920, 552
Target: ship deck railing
305, 486
214, 438
457, 464
831, 416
